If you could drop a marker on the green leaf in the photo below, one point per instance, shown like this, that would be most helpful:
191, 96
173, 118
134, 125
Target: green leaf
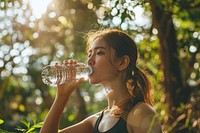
4, 131
39, 125
33, 119
21, 130
27, 124
1, 121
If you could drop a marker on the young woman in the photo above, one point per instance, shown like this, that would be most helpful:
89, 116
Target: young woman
112, 55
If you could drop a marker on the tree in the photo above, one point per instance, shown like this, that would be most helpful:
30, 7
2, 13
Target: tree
176, 89
167, 37
28, 44
172, 41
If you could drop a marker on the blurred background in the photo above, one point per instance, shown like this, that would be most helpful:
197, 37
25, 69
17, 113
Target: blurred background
34, 33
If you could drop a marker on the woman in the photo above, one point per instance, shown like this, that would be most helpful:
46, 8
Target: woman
112, 55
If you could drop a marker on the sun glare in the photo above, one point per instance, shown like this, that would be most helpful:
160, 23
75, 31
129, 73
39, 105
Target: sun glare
39, 7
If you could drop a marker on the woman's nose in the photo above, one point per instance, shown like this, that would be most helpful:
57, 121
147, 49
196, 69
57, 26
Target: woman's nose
90, 61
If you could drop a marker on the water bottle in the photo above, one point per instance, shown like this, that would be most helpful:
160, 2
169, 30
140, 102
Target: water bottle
54, 75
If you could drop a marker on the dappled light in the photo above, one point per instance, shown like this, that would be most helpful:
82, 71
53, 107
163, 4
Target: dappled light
38, 7
134, 15
36, 33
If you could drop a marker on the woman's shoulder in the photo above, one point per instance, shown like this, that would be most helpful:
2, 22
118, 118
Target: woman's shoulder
141, 111
92, 119
142, 116
142, 107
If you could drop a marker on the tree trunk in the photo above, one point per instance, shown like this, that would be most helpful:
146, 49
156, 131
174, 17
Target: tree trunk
81, 107
174, 90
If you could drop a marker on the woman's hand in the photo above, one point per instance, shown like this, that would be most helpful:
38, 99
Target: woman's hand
71, 84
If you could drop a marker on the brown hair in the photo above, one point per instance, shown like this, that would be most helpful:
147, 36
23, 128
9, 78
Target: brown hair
137, 80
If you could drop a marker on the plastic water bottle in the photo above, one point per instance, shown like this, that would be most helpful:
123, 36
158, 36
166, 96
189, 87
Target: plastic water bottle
54, 75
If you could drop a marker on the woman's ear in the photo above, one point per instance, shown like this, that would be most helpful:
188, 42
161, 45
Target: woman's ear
124, 62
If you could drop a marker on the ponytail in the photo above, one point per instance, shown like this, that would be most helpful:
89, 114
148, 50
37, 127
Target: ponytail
139, 87
142, 86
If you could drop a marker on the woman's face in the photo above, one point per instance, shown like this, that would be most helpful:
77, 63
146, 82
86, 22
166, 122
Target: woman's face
103, 61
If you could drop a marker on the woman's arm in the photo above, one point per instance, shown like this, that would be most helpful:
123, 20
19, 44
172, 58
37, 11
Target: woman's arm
143, 119
85, 126
52, 121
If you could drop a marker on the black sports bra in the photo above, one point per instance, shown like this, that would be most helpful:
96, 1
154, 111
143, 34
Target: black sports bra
119, 127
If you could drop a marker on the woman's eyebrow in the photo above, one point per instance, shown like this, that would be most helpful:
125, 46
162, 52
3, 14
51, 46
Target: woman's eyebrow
96, 48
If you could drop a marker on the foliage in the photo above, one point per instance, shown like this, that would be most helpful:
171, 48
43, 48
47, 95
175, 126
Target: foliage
28, 43
184, 14
28, 127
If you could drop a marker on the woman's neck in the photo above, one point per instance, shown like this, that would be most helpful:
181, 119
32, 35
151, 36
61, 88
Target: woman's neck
116, 94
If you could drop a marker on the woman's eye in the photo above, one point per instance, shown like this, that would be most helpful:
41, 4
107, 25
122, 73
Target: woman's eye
100, 53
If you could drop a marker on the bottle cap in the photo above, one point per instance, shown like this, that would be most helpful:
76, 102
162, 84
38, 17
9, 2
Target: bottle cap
89, 70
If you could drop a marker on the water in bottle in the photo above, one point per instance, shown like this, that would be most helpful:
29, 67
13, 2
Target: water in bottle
54, 75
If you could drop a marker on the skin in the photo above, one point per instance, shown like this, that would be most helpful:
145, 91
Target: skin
110, 73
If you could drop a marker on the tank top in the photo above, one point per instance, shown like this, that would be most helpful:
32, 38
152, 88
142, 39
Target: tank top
119, 127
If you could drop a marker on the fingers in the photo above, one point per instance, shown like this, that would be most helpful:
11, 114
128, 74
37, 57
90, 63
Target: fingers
69, 62
70, 69
71, 83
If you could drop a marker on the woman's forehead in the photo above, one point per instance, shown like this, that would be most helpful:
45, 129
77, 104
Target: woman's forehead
97, 44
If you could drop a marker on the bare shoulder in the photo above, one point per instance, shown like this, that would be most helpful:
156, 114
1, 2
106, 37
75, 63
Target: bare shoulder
143, 118
142, 109
92, 119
